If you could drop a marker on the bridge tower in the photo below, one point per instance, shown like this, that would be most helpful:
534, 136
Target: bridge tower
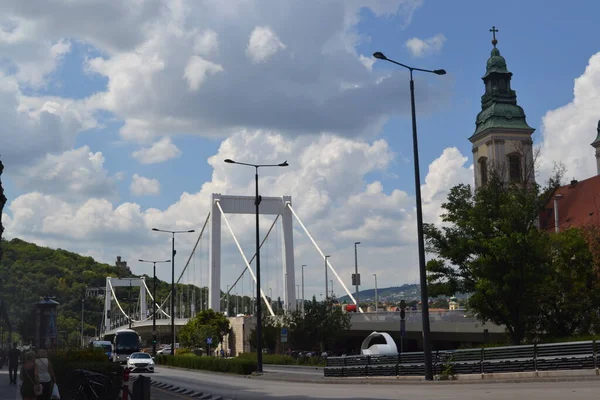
245, 205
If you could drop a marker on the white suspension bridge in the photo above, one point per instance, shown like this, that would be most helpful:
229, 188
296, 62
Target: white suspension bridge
199, 287
198, 293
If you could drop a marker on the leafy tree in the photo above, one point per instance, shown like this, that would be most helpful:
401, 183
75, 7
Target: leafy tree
271, 332
490, 247
206, 324
569, 301
320, 326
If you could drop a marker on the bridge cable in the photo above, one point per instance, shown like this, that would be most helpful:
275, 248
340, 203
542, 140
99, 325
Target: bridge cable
323, 255
243, 255
252, 259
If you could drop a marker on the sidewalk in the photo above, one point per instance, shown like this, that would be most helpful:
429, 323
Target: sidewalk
7, 391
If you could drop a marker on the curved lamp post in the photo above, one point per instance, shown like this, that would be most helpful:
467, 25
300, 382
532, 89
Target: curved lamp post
422, 272
257, 200
154, 301
173, 282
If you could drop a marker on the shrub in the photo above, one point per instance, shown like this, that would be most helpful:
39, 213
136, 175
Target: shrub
215, 364
64, 362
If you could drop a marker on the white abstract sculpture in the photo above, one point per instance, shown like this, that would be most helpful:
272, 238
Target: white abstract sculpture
379, 349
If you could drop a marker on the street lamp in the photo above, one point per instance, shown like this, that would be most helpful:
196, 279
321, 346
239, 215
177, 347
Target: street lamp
356, 271
376, 299
153, 301
422, 272
259, 367
303, 265
326, 290
173, 252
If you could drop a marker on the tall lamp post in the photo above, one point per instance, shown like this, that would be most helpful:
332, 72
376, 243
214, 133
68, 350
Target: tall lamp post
153, 301
259, 367
326, 290
376, 298
422, 272
303, 265
356, 276
173, 281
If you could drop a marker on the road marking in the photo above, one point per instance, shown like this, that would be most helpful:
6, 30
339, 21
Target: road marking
172, 393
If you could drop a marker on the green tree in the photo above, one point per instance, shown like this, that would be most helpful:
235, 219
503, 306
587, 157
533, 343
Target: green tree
271, 332
491, 248
206, 324
570, 299
320, 326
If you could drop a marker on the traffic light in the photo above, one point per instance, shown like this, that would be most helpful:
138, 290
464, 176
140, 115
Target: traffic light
154, 340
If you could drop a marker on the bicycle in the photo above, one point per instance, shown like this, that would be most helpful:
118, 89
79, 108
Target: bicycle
88, 385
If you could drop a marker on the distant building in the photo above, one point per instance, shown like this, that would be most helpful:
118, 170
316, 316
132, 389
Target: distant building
453, 304
122, 265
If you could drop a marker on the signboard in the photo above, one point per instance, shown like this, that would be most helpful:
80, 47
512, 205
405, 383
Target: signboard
355, 279
284, 335
208, 340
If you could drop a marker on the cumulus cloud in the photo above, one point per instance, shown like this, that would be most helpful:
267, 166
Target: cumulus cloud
76, 173
263, 44
423, 47
141, 186
568, 130
197, 69
330, 192
181, 79
34, 126
161, 151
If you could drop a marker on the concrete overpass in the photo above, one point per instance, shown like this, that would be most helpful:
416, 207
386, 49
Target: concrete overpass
449, 329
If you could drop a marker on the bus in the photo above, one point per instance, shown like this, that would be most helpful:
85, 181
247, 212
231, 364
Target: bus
125, 342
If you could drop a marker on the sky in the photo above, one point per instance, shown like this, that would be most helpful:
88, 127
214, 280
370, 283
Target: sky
117, 116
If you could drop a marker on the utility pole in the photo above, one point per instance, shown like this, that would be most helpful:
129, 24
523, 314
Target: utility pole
376, 299
303, 265
356, 275
82, 305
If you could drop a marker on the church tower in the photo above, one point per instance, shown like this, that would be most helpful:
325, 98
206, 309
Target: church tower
502, 139
596, 145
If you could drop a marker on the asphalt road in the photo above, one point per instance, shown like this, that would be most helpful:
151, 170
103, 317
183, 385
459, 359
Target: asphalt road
237, 387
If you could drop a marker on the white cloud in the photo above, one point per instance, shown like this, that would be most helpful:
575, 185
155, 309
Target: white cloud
568, 130
74, 174
197, 69
160, 151
423, 47
263, 44
141, 186
331, 194
206, 42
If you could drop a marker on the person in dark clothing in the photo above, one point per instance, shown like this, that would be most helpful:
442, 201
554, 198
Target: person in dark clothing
14, 355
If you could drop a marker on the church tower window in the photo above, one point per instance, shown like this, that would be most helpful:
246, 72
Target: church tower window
514, 168
483, 170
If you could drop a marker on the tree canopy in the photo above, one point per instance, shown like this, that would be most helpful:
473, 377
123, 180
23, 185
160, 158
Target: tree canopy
206, 324
516, 274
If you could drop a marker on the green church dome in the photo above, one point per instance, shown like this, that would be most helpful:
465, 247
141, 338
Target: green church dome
496, 63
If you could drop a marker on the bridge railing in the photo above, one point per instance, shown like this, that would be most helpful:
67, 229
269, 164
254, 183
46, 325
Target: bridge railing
525, 358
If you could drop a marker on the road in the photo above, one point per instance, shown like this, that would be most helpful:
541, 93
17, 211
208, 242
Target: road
238, 387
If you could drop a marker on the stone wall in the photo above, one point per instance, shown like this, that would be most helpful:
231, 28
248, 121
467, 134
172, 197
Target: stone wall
238, 340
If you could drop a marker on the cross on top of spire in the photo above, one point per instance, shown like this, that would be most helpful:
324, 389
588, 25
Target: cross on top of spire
494, 30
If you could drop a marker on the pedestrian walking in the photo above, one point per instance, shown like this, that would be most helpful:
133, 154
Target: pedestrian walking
14, 356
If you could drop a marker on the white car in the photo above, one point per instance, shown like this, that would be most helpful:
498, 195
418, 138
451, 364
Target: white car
138, 362
166, 351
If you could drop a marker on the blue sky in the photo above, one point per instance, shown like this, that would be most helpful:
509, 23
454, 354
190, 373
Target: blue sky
263, 82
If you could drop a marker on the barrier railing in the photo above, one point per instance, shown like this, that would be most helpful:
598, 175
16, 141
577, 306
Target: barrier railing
526, 358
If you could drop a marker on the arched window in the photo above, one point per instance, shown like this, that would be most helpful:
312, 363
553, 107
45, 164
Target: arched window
514, 168
483, 170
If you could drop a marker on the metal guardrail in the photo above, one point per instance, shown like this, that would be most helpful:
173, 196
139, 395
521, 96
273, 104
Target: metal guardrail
526, 358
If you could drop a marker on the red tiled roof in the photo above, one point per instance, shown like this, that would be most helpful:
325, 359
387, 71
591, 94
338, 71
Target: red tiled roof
580, 205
